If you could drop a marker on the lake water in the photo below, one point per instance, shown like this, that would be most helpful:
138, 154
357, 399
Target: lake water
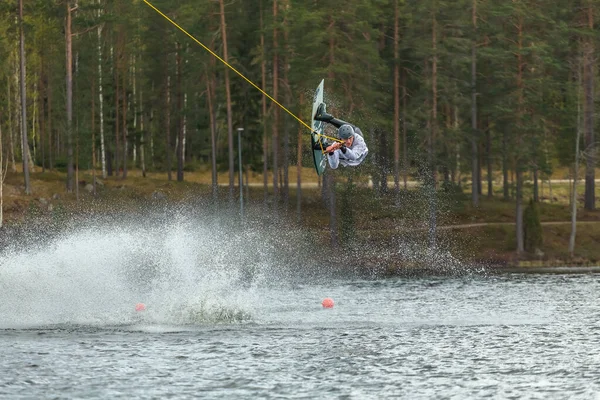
214, 329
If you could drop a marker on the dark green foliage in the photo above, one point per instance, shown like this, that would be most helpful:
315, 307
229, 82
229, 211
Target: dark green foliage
351, 48
532, 227
530, 118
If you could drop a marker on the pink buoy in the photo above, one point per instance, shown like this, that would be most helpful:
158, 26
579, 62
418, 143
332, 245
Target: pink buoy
327, 303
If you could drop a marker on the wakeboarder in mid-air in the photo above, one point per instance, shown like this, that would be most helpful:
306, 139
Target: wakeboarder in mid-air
351, 151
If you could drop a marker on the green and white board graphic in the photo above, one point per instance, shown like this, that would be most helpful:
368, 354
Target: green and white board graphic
318, 126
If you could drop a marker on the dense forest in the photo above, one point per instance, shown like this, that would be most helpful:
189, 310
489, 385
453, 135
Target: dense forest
446, 92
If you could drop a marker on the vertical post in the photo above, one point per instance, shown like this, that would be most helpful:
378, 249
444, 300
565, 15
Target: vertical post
240, 130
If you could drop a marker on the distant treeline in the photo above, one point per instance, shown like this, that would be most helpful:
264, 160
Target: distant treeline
447, 90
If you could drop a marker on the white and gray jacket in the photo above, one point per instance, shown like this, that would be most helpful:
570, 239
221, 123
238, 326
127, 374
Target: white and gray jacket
350, 156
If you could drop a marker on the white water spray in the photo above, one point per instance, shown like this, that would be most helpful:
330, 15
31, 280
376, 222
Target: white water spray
186, 271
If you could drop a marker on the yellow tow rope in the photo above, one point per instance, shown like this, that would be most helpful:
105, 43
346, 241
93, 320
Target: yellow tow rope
240, 74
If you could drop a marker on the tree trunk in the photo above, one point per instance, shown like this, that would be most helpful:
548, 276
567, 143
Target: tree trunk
49, 126
519, 161
180, 115
117, 115
34, 132
275, 142
434, 100
456, 168
299, 166
404, 131
32, 152
383, 163
2, 174
432, 138
142, 136
488, 150
150, 133
18, 142
265, 142
570, 186
474, 155
93, 93
25, 144
480, 153
548, 162
11, 128
77, 163
100, 94
133, 80
590, 146
168, 126
124, 107
184, 132
536, 195
505, 183
575, 174
288, 100
42, 107
213, 135
76, 133
228, 95
69, 67
396, 101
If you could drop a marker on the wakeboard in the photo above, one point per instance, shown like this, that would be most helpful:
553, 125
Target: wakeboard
318, 127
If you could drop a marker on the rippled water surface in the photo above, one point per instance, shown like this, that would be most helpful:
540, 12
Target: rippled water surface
512, 336
233, 314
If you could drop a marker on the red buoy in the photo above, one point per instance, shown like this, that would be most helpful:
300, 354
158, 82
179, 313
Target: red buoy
327, 303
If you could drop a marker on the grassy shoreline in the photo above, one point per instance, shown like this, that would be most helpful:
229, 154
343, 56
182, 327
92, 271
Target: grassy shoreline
484, 235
